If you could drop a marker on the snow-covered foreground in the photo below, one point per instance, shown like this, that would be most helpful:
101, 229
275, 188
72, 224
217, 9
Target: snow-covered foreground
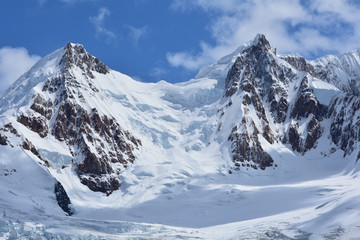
215, 206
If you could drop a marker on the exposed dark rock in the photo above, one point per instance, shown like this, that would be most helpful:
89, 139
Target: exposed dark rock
42, 106
257, 66
300, 63
306, 103
247, 148
92, 164
9, 127
75, 54
63, 199
232, 79
35, 124
246, 100
106, 184
345, 126
267, 134
334, 71
27, 145
76, 127
314, 132
100, 147
3, 140
304, 106
54, 84
280, 108
294, 137
259, 107
257, 73
328, 73
80, 129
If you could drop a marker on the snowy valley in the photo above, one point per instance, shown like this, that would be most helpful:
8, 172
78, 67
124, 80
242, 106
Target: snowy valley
258, 145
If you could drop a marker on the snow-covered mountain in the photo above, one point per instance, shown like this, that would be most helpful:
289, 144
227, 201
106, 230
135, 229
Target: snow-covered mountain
266, 144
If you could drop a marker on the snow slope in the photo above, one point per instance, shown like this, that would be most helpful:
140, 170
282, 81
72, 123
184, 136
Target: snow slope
179, 185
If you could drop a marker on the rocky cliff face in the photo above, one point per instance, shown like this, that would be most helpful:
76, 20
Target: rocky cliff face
343, 72
279, 103
250, 76
99, 146
344, 128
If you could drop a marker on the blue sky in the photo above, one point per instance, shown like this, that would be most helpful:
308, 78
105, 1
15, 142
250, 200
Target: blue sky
152, 40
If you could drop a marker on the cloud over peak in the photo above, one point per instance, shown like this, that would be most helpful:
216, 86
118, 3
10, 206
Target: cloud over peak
13, 63
98, 22
136, 33
307, 27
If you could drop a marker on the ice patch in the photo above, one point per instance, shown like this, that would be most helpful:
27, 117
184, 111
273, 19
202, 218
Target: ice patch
323, 91
56, 160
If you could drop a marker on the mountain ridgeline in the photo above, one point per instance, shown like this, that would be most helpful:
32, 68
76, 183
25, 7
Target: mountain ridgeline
263, 80
75, 115
58, 110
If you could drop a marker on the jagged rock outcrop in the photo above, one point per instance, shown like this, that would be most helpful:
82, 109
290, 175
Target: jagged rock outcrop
63, 199
35, 123
314, 132
84, 131
100, 147
4, 131
341, 71
300, 63
306, 103
294, 136
3, 140
75, 55
306, 106
250, 74
42, 106
345, 125
262, 79
246, 148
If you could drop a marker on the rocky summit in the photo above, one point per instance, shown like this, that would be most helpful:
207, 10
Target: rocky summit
257, 136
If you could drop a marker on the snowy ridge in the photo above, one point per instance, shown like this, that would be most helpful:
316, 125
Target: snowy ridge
257, 145
14, 96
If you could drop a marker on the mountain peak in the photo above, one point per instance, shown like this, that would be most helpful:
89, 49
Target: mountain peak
76, 55
260, 40
256, 58
73, 50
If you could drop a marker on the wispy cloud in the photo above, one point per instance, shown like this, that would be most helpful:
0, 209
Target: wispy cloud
157, 72
98, 22
69, 2
136, 33
310, 27
13, 63
41, 2
75, 1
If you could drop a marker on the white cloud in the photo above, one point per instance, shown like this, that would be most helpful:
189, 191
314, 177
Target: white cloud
136, 33
309, 27
13, 63
98, 22
191, 61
